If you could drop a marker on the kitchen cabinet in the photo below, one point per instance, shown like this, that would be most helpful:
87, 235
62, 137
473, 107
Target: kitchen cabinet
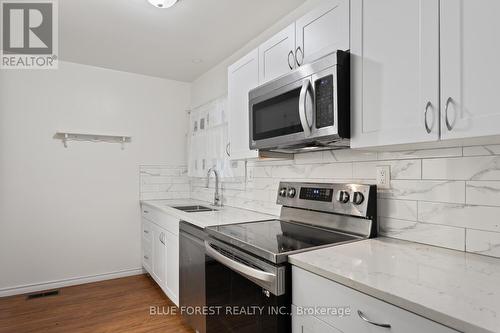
322, 31
277, 55
311, 291
159, 255
160, 250
469, 68
172, 268
424, 71
242, 77
395, 72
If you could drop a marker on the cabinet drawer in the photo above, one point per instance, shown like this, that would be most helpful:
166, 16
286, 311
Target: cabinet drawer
163, 220
311, 291
147, 252
147, 231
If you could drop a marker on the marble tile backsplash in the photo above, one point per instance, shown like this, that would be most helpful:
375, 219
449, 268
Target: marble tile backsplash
448, 197
164, 182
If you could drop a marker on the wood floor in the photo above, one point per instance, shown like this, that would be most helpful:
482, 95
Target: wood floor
120, 305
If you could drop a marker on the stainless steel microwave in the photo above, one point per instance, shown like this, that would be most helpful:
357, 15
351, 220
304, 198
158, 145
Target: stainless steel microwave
306, 109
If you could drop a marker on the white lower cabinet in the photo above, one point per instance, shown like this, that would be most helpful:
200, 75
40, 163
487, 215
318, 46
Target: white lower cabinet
160, 250
172, 268
311, 292
159, 255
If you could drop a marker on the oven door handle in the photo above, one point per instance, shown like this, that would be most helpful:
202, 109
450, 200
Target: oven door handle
239, 267
303, 107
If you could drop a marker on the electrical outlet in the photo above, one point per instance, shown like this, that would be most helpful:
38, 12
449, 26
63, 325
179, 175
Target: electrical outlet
384, 176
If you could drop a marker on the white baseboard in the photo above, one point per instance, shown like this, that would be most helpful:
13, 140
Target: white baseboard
30, 288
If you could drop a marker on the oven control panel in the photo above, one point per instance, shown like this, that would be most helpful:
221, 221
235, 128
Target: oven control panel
349, 199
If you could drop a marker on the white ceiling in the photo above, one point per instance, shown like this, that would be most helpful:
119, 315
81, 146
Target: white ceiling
134, 36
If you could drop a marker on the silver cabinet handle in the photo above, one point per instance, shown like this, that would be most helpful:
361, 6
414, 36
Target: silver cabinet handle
146, 231
302, 107
162, 239
299, 63
228, 152
290, 54
362, 316
427, 128
447, 121
146, 257
239, 267
146, 212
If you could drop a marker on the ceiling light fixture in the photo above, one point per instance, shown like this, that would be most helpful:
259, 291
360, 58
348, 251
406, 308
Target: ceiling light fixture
163, 3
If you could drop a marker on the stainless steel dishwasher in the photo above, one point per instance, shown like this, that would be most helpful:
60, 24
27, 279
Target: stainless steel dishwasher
192, 273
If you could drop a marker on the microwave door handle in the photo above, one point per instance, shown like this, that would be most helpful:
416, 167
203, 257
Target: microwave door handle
302, 107
239, 267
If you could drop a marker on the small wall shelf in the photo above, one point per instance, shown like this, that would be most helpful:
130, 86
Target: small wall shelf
73, 136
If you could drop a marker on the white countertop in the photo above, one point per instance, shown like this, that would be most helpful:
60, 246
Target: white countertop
223, 215
454, 288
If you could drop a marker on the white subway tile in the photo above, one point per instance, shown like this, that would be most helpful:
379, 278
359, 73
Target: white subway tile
432, 234
412, 154
348, 155
397, 209
458, 215
261, 172
174, 187
482, 150
465, 168
483, 242
332, 170
148, 188
483, 193
307, 158
440, 191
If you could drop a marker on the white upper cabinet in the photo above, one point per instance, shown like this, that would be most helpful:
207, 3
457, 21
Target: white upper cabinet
470, 68
322, 31
394, 72
277, 55
242, 77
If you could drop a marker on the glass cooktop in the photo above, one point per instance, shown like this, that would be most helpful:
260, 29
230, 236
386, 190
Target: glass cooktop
276, 236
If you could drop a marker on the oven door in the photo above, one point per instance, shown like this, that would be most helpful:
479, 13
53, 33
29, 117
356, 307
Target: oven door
233, 287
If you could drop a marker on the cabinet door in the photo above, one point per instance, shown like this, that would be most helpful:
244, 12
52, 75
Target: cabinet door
470, 68
159, 251
277, 55
395, 72
322, 31
242, 77
172, 266
310, 324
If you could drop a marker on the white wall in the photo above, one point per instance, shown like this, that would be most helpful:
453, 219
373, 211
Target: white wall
69, 213
213, 83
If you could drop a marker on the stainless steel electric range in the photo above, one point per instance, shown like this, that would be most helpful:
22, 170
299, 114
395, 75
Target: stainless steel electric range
246, 264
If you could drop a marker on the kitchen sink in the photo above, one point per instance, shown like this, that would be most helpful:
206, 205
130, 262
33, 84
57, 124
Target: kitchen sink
194, 209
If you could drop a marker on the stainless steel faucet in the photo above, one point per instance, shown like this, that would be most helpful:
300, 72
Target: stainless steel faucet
217, 198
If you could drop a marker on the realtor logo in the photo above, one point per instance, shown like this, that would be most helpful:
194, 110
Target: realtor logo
29, 34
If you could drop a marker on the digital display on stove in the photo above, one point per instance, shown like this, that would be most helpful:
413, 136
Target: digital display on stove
316, 194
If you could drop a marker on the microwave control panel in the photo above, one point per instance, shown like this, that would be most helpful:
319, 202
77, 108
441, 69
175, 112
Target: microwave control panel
324, 101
